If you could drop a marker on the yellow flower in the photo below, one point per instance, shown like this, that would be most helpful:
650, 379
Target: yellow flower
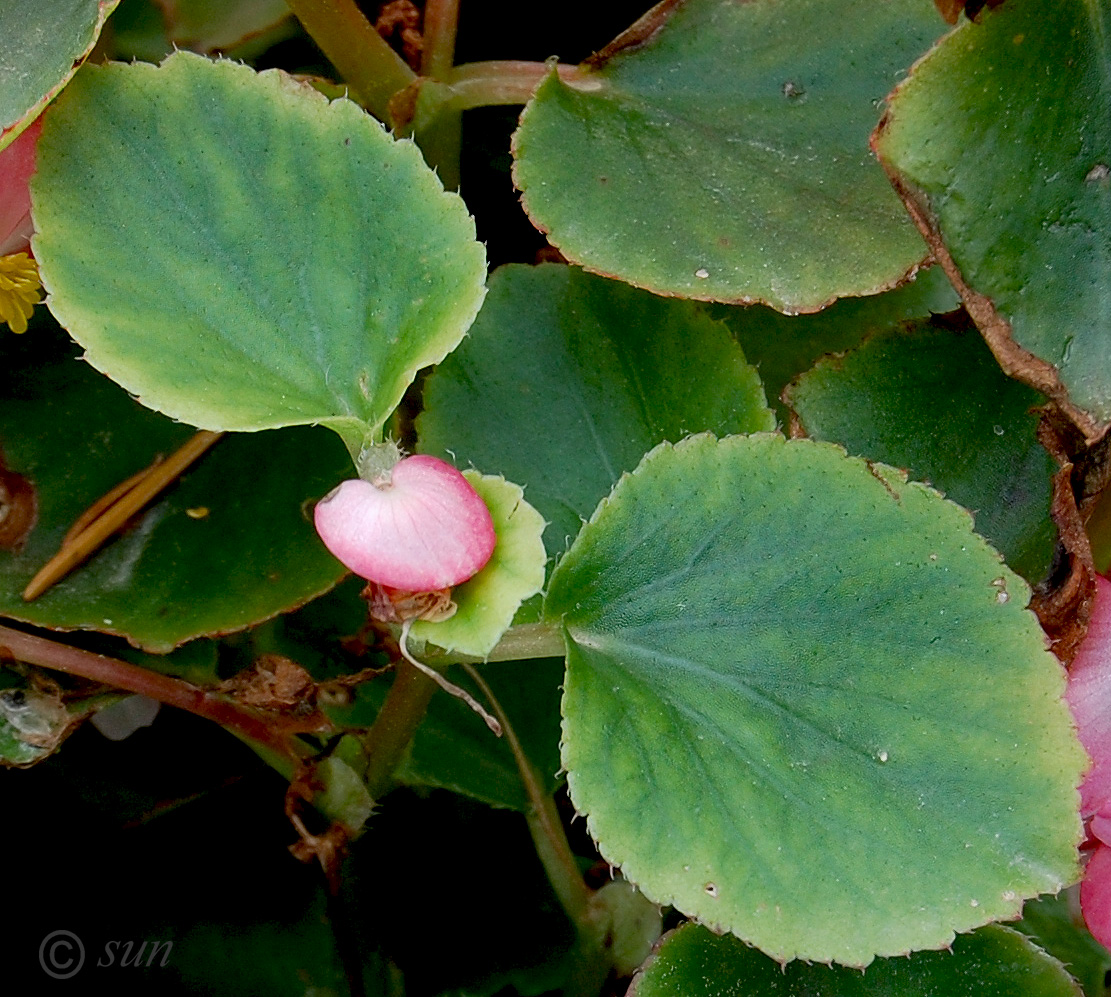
19, 290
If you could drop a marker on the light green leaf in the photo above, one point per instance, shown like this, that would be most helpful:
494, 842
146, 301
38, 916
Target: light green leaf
42, 42
719, 150
804, 703
488, 601
566, 380
992, 962
1001, 142
240, 253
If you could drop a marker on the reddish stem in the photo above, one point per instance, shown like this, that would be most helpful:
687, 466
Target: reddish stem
272, 729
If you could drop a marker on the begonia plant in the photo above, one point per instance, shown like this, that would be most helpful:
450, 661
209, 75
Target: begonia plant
717, 410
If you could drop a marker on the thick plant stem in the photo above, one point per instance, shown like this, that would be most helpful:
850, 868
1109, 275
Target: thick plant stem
387, 741
368, 65
441, 21
272, 732
506, 81
544, 824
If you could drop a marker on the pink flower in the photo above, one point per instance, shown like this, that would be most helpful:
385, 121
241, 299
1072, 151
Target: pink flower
1089, 696
17, 163
419, 526
19, 275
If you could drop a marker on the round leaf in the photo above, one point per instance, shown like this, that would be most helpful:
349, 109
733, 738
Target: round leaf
488, 601
229, 545
804, 703
993, 962
1001, 144
566, 380
240, 253
42, 42
934, 401
719, 150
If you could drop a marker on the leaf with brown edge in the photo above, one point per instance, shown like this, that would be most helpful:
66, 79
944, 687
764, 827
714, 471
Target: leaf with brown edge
760, 109
998, 144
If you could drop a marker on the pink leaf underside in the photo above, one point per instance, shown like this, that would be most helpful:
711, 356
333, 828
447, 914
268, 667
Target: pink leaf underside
1095, 895
17, 163
427, 530
1089, 696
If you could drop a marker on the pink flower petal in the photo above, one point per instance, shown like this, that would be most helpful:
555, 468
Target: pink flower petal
17, 163
1095, 895
1089, 696
427, 529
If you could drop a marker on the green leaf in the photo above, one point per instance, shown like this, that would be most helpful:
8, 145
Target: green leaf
42, 42
228, 546
342, 795
243, 951
781, 347
719, 150
798, 683
453, 749
240, 253
993, 962
1056, 924
211, 25
566, 380
933, 401
515, 572
1001, 142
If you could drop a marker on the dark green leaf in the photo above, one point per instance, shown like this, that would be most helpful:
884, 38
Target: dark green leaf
566, 380
781, 347
934, 402
42, 42
230, 545
453, 749
1002, 143
1057, 925
719, 150
992, 962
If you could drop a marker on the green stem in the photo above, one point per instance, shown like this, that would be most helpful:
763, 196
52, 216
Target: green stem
389, 738
368, 65
545, 826
441, 20
273, 733
506, 81
529, 640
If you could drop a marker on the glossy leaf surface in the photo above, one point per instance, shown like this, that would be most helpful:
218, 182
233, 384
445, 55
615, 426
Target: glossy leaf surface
228, 546
566, 380
993, 962
240, 253
1002, 143
934, 402
719, 150
782, 697
42, 42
